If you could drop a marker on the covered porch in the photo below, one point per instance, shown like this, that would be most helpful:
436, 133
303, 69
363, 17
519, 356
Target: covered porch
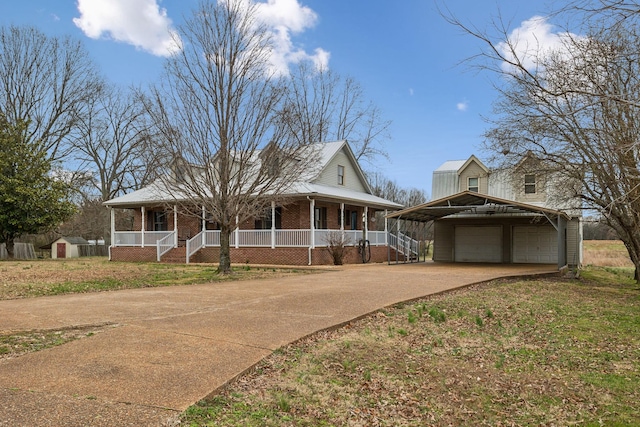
163, 231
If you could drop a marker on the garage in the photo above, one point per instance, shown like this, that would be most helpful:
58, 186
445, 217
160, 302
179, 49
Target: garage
478, 244
472, 227
535, 244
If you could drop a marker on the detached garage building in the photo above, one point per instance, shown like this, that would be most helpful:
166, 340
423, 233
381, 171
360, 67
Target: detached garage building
473, 225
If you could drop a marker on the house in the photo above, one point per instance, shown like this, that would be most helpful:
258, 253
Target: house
334, 198
520, 214
67, 247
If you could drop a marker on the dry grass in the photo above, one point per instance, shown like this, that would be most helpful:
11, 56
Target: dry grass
606, 253
510, 353
23, 279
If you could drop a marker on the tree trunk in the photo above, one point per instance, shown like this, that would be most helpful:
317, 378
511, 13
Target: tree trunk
224, 266
10, 246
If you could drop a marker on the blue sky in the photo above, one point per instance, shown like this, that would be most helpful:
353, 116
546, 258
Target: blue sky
402, 52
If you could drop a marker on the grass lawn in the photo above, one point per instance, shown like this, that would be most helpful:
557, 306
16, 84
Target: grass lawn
35, 278
552, 352
508, 353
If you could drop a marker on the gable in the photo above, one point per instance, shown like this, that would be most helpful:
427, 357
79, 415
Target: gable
352, 176
474, 169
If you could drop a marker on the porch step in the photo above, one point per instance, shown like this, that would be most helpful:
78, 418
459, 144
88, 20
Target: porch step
175, 256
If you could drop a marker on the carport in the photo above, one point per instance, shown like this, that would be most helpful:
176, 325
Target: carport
474, 227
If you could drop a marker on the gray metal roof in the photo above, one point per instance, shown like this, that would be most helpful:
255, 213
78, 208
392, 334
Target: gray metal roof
157, 192
471, 203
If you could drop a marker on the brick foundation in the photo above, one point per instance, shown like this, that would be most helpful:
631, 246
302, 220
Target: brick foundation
287, 256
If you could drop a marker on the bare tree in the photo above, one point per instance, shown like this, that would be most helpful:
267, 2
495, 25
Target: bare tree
577, 109
213, 112
112, 143
390, 190
46, 81
320, 105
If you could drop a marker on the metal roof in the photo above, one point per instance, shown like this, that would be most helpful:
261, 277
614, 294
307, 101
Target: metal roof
471, 203
158, 193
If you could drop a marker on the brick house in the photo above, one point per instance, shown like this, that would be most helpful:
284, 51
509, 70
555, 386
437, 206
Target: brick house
336, 199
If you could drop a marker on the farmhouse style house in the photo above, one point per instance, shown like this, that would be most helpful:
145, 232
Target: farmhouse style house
516, 215
335, 198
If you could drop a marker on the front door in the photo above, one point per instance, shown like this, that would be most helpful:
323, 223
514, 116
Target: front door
62, 250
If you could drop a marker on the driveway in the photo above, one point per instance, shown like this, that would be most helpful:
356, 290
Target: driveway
169, 347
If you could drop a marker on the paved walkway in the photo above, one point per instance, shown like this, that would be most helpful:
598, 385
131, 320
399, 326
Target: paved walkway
170, 347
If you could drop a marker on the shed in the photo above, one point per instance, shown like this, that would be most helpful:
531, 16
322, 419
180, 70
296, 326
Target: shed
67, 247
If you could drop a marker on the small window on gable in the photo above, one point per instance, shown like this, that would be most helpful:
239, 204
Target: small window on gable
340, 175
529, 183
473, 185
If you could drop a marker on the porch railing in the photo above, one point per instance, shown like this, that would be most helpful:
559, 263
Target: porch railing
165, 244
194, 244
245, 238
406, 246
134, 238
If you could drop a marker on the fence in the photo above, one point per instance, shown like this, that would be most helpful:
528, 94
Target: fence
93, 250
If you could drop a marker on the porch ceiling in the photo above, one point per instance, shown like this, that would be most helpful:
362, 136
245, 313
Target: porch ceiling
471, 203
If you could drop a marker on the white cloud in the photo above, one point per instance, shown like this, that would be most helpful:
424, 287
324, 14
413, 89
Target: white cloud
462, 106
532, 40
141, 23
284, 18
410, 91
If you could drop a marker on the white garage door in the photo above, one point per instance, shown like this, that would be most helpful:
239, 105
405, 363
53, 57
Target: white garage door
478, 244
535, 244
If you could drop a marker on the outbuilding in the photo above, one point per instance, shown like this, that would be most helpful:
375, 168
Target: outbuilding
67, 247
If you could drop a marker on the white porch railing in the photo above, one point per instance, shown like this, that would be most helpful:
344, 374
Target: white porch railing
194, 244
377, 238
165, 244
254, 238
293, 238
165, 240
405, 245
134, 238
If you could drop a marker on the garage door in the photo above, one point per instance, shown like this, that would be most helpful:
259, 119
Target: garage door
478, 244
535, 244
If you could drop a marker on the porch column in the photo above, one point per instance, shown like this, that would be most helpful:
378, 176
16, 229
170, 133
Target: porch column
112, 214
312, 213
342, 220
175, 226
143, 223
386, 227
273, 225
365, 222
237, 232
204, 218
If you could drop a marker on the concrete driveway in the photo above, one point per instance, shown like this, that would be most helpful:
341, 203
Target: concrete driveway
170, 347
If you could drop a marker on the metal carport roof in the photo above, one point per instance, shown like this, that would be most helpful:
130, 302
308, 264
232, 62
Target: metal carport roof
468, 202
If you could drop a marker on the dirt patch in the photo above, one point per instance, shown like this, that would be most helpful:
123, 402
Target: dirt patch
15, 344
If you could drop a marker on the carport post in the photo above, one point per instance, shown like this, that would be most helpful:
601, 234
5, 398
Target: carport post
562, 242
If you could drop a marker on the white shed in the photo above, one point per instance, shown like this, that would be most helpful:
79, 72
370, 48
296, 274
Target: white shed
67, 247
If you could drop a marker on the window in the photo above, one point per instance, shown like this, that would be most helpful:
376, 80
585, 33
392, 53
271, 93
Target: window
350, 219
320, 218
473, 185
340, 175
529, 184
158, 221
264, 222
